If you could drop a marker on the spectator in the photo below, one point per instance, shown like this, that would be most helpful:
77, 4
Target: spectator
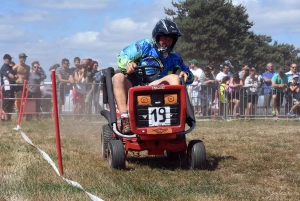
64, 81
197, 71
96, 90
223, 95
225, 72
267, 84
102, 72
245, 67
54, 67
34, 81
260, 79
214, 71
72, 72
22, 71
79, 90
292, 72
294, 89
252, 83
76, 65
11, 64
234, 86
40, 71
279, 83
243, 93
89, 86
207, 95
195, 94
8, 77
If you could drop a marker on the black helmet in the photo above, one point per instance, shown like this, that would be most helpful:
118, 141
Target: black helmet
165, 27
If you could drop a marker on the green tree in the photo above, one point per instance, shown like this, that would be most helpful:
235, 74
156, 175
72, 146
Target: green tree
216, 30
213, 30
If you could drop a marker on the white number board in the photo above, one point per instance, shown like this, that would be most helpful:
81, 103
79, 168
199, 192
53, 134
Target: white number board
159, 116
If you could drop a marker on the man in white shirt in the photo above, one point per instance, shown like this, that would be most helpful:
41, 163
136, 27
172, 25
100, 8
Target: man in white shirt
197, 71
292, 72
225, 72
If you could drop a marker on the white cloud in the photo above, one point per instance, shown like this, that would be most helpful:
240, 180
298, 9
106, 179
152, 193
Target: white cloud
82, 39
24, 17
272, 17
114, 34
9, 33
69, 4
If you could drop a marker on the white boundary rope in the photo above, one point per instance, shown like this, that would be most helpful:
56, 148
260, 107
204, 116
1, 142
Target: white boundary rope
50, 161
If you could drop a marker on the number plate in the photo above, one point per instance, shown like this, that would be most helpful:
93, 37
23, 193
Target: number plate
159, 116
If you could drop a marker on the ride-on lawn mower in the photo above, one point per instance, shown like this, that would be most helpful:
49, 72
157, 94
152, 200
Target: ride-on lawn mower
158, 115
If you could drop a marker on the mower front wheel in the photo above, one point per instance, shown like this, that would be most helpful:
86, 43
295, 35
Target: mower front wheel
196, 154
116, 154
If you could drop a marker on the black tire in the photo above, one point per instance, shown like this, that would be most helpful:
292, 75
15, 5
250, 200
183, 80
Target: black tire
106, 136
116, 154
196, 155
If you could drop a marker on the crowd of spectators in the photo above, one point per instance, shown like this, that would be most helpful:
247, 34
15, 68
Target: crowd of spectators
238, 93
82, 80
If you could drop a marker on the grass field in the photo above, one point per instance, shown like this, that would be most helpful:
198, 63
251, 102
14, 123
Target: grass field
256, 160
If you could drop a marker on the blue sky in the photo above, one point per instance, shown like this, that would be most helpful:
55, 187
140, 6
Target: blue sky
50, 30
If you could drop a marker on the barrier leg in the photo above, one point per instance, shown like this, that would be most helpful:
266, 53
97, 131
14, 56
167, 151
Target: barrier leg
215, 105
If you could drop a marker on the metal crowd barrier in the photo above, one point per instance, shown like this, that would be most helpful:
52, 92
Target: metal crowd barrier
85, 101
206, 101
37, 104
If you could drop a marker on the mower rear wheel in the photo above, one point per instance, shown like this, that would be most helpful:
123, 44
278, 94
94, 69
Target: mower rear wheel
196, 154
116, 154
106, 136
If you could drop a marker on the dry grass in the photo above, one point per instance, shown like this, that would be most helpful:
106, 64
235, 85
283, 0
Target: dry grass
257, 160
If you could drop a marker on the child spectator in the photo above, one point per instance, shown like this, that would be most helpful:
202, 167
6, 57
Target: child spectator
195, 94
79, 90
234, 86
223, 94
294, 89
252, 92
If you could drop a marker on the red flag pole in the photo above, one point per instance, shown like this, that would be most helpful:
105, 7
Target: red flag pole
56, 122
21, 109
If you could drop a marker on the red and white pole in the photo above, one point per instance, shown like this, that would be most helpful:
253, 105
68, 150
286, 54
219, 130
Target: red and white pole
22, 107
56, 122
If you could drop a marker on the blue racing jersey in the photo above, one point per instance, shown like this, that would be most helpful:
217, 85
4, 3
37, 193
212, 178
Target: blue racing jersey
145, 48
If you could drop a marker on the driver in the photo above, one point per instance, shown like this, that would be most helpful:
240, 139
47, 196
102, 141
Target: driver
164, 37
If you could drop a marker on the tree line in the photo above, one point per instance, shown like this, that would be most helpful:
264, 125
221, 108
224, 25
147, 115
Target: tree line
216, 30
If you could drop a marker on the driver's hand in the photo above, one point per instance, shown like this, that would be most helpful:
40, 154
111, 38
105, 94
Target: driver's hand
130, 67
184, 75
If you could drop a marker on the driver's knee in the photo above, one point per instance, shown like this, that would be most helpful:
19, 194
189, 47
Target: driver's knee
172, 79
118, 79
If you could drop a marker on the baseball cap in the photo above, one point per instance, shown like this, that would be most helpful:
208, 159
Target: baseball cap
22, 55
194, 61
7, 56
295, 76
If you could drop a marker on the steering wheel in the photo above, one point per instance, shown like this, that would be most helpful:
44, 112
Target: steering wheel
141, 72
